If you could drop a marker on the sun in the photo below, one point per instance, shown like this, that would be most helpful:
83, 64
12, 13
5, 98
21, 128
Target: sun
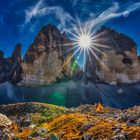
86, 45
84, 41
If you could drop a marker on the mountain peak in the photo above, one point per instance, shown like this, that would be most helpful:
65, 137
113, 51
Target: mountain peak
120, 42
47, 36
43, 61
16, 56
49, 28
47, 59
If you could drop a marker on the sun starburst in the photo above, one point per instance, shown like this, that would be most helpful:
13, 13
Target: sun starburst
85, 43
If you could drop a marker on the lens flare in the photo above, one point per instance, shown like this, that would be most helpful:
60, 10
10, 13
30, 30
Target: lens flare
86, 43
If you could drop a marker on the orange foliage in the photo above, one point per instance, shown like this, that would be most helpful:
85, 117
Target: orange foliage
67, 123
70, 124
24, 134
101, 128
99, 108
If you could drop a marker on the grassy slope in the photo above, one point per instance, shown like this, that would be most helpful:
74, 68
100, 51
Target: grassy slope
69, 122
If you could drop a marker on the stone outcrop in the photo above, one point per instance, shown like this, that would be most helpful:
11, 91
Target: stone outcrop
4, 121
44, 60
10, 68
119, 58
48, 59
5, 124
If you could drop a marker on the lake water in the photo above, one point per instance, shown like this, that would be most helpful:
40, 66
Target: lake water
72, 94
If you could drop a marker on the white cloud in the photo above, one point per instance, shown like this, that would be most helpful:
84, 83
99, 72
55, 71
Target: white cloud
41, 9
33, 11
58, 12
110, 13
133, 7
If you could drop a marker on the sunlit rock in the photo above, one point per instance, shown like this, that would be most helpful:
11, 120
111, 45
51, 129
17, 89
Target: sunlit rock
44, 60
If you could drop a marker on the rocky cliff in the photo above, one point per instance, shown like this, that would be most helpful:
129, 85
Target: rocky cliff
10, 68
44, 60
120, 58
48, 59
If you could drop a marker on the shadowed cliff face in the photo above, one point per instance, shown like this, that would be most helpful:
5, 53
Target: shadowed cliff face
48, 59
120, 58
48, 39
10, 68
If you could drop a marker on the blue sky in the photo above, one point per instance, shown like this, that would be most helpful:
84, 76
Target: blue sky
21, 20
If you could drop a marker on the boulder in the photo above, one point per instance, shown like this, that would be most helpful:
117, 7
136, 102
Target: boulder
87, 137
5, 132
4, 121
120, 136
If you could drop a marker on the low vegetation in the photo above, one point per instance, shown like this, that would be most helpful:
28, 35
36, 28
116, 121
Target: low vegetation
95, 122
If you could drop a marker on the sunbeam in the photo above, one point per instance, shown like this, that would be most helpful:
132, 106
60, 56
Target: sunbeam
84, 41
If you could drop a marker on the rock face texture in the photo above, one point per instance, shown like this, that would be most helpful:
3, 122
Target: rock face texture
48, 59
5, 124
10, 68
44, 60
119, 57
